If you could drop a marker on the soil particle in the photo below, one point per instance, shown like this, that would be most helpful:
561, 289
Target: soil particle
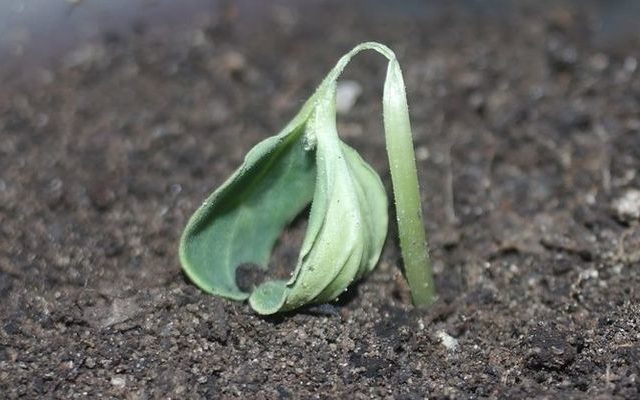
627, 207
548, 348
102, 195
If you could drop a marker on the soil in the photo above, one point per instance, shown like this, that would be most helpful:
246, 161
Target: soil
526, 124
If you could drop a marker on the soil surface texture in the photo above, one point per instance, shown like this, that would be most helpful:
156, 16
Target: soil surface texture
526, 119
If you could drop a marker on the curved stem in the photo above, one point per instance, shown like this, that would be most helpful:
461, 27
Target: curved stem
404, 176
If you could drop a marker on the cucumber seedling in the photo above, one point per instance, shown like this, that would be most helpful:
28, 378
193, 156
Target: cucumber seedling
240, 222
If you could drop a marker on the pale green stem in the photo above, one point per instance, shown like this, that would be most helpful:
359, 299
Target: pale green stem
406, 190
404, 176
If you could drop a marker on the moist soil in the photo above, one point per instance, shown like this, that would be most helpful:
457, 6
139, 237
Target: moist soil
527, 129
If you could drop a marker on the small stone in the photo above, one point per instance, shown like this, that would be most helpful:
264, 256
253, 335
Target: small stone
118, 382
630, 65
627, 207
422, 153
347, 94
447, 340
90, 363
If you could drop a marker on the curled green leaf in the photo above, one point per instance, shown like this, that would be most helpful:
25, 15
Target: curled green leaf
347, 224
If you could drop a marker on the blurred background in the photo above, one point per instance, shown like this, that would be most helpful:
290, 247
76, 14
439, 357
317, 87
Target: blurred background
39, 32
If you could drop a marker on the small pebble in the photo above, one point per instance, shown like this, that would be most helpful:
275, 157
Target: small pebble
627, 207
422, 153
90, 363
347, 94
447, 340
118, 382
630, 64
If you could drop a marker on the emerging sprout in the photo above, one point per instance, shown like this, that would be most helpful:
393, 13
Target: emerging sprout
308, 163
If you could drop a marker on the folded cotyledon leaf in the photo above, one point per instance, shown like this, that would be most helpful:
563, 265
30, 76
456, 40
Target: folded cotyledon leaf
240, 222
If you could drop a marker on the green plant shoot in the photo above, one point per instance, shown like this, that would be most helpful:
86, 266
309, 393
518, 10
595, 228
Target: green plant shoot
240, 222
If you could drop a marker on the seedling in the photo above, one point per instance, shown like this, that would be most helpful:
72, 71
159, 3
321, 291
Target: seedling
306, 162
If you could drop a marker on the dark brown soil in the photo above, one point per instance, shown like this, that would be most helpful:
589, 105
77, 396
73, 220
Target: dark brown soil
526, 120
